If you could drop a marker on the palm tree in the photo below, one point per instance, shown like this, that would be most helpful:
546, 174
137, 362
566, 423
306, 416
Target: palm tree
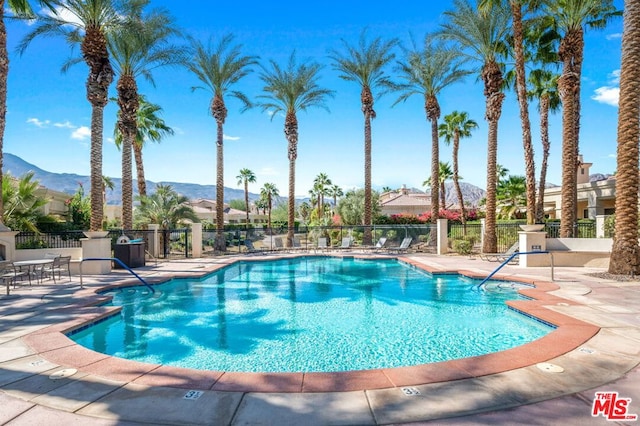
87, 22
501, 172
246, 177
427, 72
150, 127
625, 254
457, 125
22, 9
139, 47
521, 92
444, 174
364, 64
289, 90
218, 68
322, 183
165, 207
544, 87
481, 37
268, 192
569, 19
107, 183
22, 203
335, 191
511, 195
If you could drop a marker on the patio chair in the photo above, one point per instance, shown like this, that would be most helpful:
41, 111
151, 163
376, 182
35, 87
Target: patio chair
379, 245
403, 247
251, 249
500, 257
10, 273
277, 242
62, 265
346, 243
322, 244
296, 244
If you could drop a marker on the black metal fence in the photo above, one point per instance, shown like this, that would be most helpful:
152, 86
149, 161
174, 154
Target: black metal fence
270, 238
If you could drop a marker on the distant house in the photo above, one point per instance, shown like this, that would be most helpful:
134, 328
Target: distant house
594, 198
404, 201
206, 210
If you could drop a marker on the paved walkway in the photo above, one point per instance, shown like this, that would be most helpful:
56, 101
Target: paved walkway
35, 389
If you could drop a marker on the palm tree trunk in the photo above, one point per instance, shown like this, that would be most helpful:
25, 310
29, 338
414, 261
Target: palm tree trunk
625, 254
142, 183
127, 181
568, 87
97, 209
432, 109
220, 243
492, 77
521, 91
128, 104
4, 72
291, 133
246, 199
366, 98
546, 147
456, 181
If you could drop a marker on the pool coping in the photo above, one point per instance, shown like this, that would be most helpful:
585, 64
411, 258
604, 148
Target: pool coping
52, 344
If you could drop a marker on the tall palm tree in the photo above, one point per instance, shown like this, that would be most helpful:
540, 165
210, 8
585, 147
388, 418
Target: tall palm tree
365, 64
22, 9
481, 36
87, 22
268, 192
570, 18
335, 191
457, 125
521, 92
219, 67
543, 85
245, 177
139, 47
322, 182
290, 90
427, 72
625, 254
444, 174
151, 128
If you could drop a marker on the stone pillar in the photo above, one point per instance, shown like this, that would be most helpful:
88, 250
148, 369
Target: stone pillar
8, 243
154, 240
96, 248
196, 240
600, 226
532, 241
443, 238
482, 225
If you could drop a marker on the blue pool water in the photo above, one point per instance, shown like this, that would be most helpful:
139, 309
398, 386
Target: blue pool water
311, 314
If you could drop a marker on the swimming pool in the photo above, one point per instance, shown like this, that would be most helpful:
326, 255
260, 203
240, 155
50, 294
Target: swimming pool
311, 314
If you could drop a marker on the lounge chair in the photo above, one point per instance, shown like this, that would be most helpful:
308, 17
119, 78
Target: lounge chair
251, 249
346, 243
379, 245
277, 242
296, 244
500, 257
403, 247
322, 244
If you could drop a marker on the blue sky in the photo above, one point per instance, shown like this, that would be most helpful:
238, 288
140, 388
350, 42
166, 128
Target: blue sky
49, 117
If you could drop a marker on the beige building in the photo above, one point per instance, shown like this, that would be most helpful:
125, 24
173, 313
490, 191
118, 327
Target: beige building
594, 198
404, 201
206, 210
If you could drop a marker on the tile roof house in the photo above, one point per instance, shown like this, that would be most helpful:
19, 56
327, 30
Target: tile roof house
404, 201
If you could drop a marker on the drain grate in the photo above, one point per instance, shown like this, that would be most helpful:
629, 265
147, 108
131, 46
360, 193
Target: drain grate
547, 367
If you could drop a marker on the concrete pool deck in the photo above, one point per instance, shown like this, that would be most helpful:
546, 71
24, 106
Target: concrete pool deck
599, 352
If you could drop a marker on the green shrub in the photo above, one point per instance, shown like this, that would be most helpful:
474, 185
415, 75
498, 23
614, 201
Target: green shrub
462, 246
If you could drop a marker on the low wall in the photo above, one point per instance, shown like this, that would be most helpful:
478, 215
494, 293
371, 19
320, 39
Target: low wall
33, 254
577, 252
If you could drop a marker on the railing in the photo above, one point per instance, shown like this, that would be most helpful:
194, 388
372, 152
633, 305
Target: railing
265, 238
119, 262
511, 258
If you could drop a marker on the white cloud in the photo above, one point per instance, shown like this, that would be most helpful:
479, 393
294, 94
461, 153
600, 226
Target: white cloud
81, 133
611, 156
607, 95
268, 171
613, 36
111, 140
38, 123
610, 93
230, 138
65, 125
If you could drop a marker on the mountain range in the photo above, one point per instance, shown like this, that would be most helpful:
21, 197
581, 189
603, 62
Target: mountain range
68, 183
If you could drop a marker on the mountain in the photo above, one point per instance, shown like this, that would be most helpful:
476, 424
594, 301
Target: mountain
470, 193
68, 183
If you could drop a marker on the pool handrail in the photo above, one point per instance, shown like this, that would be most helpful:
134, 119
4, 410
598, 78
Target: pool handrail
119, 262
479, 286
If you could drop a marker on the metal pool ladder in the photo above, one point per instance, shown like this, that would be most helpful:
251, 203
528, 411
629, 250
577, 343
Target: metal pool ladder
119, 262
479, 286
